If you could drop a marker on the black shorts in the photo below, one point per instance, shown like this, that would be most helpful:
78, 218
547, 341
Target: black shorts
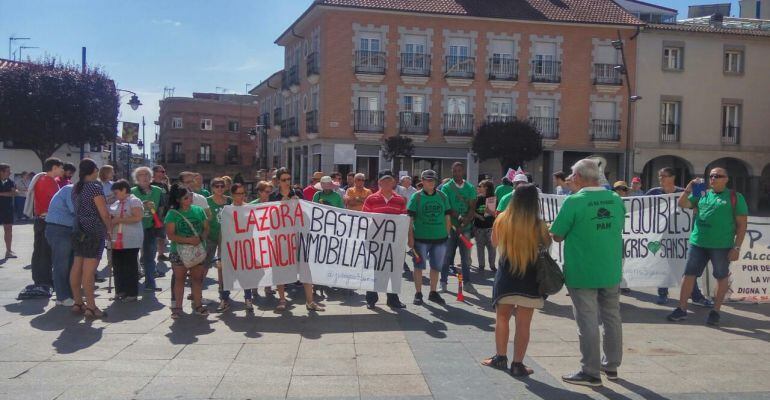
6, 216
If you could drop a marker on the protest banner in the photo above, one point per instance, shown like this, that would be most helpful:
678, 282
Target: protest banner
750, 275
268, 244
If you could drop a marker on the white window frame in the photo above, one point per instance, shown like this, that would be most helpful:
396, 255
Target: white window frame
237, 125
672, 58
207, 124
500, 107
733, 61
177, 123
204, 155
731, 116
413, 103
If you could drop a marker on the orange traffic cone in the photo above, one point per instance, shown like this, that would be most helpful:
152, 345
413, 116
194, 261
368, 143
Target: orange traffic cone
460, 296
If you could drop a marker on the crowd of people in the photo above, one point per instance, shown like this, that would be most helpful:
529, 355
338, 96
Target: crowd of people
152, 220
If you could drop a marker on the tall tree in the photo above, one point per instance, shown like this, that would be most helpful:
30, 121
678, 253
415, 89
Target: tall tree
46, 105
512, 143
397, 146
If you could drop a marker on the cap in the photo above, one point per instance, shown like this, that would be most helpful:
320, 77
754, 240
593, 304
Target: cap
520, 178
325, 182
622, 185
405, 177
429, 174
636, 179
385, 174
318, 175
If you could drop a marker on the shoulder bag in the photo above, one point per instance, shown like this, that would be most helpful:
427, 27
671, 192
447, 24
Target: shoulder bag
550, 278
191, 255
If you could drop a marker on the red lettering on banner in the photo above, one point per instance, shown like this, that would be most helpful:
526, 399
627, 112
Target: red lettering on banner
270, 218
298, 214
238, 229
233, 258
262, 252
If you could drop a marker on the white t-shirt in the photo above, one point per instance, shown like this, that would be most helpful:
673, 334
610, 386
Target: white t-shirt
200, 201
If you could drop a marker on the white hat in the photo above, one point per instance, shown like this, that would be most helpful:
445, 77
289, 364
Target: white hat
325, 181
520, 178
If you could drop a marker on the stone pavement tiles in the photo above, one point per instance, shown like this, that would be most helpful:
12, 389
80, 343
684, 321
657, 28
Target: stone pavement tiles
427, 352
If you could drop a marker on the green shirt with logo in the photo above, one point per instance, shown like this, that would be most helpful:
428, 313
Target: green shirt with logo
715, 219
591, 223
458, 200
502, 204
194, 214
155, 195
330, 199
502, 190
215, 223
429, 212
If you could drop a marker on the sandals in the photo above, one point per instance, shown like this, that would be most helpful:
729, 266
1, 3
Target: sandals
224, 305
201, 310
519, 369
281, 305
95, 313
78, 308
314, 307
176, 312
497, 361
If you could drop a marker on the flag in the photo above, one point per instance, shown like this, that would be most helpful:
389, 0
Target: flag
130, 132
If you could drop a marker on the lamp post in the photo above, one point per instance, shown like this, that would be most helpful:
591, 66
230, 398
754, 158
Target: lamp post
134, 103
622, 69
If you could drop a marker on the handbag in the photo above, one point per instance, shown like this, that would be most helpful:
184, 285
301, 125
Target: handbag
191, 255
550, 278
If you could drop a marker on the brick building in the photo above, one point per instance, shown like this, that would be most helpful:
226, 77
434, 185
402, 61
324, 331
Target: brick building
208, 133
357, 71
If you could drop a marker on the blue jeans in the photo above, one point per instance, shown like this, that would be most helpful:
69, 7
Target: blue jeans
18, 205
60, 238
149, 248
453, 243
432, 253
696, 294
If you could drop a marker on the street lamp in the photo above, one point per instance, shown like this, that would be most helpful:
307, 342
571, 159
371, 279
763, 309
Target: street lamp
134, 101
622, 69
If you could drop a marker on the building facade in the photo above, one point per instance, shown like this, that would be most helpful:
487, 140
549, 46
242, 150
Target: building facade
357, 72
705, 84
208, 133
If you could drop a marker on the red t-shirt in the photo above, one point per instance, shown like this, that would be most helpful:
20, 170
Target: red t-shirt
62, 181
309, 192
45, 188
379, 204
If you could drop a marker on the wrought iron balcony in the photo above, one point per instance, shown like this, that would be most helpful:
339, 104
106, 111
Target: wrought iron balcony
415, 64
289, 127
545, 71
369, 121
547, 126
205, 158
503, 69
731, 134
370, 62
669, 133
606, 74
414, 123
458, 124
313, 64
500, 118
462, 67
176, 158
311, 121
605, 129
293, 75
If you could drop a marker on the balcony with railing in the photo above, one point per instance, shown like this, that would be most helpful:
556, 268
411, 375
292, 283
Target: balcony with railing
313, 65
415, 64
289, 127
176, 158
731, 134
605, 129
370, 62
233, 159
460, 67
544, 71
205, 158
547, 126
368, 121
606, 74
413, 123
669, 133
458, 124
503, 69
500, 118
293, 75
311, 121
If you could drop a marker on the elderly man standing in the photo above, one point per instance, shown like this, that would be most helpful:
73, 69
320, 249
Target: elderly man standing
590, 222
721, 218
357, 194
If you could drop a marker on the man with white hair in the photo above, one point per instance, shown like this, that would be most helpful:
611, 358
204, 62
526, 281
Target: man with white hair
590, 222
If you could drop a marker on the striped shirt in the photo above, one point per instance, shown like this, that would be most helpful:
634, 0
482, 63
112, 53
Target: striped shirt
377, 203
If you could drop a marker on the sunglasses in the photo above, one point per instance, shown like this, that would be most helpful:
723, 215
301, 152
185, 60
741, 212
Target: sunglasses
238, 193
717, 176
218, 186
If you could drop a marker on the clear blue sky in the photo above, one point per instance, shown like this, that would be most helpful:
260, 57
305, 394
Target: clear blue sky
144, 45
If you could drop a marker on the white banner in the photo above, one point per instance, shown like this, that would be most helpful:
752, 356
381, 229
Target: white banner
750, 275
276, 243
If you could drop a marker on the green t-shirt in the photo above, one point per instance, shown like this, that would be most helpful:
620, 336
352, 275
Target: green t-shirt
502, 190
215, 222
591, 223
430, 218
458, 199
204, 192
714, 222
195, 215
502, 204
330, 199
155, 195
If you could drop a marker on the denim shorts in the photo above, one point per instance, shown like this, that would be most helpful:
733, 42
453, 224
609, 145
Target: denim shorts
434, 253
698, 257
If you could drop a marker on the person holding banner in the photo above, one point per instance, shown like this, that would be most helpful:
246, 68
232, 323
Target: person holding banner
721, 219
385, 201
520, 234
462, 199
429, 228
590, 222
186, 224
239, 199
151, 197
127, 213
217, 203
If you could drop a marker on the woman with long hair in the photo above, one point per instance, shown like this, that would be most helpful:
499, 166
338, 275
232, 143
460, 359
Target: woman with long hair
92, 224
519, 234
186, 224
482, 225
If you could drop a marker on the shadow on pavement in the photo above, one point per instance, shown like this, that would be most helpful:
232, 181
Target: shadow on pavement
187, 328
28, 307
645, 393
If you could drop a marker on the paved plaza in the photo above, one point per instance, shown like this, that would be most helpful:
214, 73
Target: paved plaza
425, 352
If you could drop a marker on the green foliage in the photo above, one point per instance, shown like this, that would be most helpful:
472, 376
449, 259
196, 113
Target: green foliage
46, 105
397, 146
512, 143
